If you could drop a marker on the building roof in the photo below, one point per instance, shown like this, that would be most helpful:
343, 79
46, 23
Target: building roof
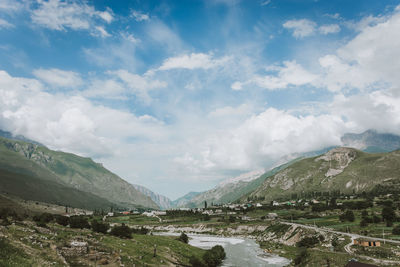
359, 264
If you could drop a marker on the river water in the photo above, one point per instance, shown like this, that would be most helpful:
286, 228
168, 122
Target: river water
239, 251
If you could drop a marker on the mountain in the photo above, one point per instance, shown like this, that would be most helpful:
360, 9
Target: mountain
182, 201
9, 135
67, 170
162, 201
344, 169
372, 141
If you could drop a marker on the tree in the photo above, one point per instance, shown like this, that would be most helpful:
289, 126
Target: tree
100, 227
62, 220
396, 230
79, 222
183, 238
122, 231
301, 256
214, 256
347, 216
388, 213
205, 204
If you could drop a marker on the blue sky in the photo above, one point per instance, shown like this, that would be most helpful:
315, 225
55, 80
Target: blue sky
180, 95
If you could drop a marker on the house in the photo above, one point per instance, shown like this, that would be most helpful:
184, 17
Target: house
367, 243
110, 214
258, 205
275, 203
126, 212
160, 213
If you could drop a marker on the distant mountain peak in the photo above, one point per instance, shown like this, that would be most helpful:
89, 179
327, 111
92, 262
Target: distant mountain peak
372, 141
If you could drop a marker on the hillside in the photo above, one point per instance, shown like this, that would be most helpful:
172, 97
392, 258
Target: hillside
343, 169
69, 170
162, 201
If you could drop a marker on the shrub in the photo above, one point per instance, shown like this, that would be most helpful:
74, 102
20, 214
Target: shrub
79, 222
183, 238
396, 230
301, 256
308, 242
100, 227
347, 216
196, 262
141, 231
62, 220
363, 223
214, 256
122, 231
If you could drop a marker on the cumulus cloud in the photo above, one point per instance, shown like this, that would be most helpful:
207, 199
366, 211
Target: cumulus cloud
364, 61
301, 28
192, 61
290, 74
58, 78
63, 15
69, 123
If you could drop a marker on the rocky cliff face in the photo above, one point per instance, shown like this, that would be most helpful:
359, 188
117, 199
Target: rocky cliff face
344, 169
372, 141
162, 201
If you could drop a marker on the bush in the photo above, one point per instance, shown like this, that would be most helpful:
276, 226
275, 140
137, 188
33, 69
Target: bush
62, 220
141, 231
347, 216
396, 230
122, 231
363, 223
214, 256
196, 262
308, 242
79, 222
183, 238
100, 227
301, 256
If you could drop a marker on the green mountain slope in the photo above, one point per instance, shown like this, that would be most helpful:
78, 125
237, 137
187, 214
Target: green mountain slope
343, 169
69, 170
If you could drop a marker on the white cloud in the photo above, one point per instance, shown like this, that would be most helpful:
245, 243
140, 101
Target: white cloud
192, 61
100, 31
301, 28
10, 5
368, 60
139, 16
290, 74
265, 3
69, 123
58, 78
63, 15
5, 24
329, 28
139, 85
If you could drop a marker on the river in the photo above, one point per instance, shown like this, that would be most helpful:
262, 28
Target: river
239, 251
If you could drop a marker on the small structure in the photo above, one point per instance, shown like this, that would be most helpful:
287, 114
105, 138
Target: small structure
126, 212
160, 213
258, 205
272, 216
275, 203
110, 214
367, 243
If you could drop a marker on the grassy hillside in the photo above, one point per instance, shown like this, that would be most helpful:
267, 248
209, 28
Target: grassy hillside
343, 169
80, 173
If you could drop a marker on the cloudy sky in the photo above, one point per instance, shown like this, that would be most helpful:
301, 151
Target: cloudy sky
179, 95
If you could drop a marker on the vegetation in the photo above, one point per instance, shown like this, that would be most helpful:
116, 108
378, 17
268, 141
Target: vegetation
183, 238
122, 231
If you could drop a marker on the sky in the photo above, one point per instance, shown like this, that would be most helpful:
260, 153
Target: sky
180, 95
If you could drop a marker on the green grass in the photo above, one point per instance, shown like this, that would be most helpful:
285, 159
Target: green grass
12, 256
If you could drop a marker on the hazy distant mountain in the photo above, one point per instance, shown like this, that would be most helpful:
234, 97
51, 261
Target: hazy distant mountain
162, 201
372, 141
344, 169
182, 201
19, 159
